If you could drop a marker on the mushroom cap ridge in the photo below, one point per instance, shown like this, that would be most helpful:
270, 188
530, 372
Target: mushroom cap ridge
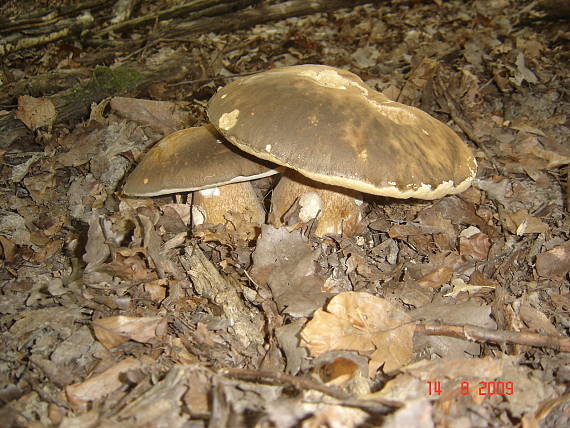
193, 159
330, 126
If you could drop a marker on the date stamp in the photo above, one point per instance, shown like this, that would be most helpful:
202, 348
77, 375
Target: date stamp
496, 387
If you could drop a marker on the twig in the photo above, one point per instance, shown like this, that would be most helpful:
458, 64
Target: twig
484, 335
282, 378
377, 405
209, 79
190, 10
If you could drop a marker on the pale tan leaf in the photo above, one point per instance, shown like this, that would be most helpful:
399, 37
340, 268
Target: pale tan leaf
113, 331
102, 384
364, 323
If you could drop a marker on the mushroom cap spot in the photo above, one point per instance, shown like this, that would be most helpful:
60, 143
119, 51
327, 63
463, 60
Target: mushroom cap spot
331, 127
193, 159
228, 120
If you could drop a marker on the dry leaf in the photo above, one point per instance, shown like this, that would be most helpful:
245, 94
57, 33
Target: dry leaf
35, 112
102, 384
364, 323
460, 286
476, 246
113, 331
286, 262
163, 116
436, 278
521, 222
555, 263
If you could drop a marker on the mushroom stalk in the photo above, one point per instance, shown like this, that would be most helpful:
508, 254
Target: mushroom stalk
218, 205
298, 199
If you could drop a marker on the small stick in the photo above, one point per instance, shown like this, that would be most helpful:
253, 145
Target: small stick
298, 382
484, 335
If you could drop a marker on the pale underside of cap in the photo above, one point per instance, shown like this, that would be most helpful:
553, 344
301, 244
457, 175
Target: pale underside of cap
330, 126
193, 159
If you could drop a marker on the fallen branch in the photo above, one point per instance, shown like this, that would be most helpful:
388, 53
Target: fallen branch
474, 333
48, 25
190, 11
378, 405
259, 15
74, 104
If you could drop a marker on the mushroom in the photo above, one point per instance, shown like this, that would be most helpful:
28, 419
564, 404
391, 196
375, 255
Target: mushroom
339, 136
199, 160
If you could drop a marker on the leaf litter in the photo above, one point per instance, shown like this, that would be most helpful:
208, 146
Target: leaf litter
114, 310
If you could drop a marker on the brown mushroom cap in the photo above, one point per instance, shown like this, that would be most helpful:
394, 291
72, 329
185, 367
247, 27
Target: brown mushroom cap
193, 159
330, 126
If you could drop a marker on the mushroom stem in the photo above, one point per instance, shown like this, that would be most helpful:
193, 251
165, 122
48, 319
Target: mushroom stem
337, 210
215, 205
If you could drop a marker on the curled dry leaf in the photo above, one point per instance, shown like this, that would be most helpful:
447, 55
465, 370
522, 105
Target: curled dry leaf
436, 278
113, 331
364, 323
521, 222
100, 385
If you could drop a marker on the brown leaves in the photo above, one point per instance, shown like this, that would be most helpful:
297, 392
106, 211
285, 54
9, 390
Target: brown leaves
113, 331
364, 323
285, 261
102, 384
164, 116
35, 112
555, 263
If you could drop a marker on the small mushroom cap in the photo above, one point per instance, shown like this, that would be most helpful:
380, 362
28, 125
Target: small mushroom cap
193, 159
330, 126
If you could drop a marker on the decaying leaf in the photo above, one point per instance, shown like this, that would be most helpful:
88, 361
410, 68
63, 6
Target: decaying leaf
100, 385
285, 261
521, 222
113, 331
555, 263
35, 112
476, 246
364, 323
164, 116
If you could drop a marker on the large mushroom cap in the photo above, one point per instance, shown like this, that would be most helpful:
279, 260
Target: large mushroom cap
330, 126
193, 159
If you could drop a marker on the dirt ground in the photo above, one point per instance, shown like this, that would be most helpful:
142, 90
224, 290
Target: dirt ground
116, 311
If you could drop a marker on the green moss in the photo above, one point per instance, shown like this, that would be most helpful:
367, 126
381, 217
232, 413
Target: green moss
116, 81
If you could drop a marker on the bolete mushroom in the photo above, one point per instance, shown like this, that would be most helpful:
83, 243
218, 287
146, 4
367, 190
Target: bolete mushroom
329, 127
200, 160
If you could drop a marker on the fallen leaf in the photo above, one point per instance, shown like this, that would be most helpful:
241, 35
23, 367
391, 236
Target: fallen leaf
163, 116
100, 385
459, 286
476, 246
521, 222
555, 263
35, 112
113, 331
286, 262
364, 323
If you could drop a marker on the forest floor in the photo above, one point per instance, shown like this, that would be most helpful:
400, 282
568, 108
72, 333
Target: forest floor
114, 311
